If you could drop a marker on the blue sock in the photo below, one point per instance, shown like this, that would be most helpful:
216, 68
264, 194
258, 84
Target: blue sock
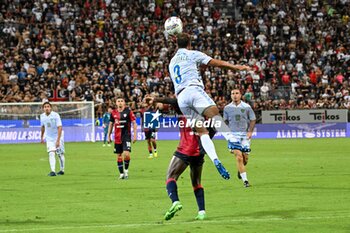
171, 188
126, 164
120, 166
199, 193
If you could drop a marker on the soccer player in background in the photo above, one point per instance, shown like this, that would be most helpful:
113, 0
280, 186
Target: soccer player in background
241, 120
51, 127
122, 118
188, 153
150, 133
105, 123
193, 101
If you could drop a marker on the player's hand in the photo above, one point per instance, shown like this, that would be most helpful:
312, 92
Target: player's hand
57, 144
103, 126
249, 135
134, 140
42, 141
109, 139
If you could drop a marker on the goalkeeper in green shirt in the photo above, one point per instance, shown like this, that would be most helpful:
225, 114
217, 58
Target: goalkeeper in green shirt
105, 123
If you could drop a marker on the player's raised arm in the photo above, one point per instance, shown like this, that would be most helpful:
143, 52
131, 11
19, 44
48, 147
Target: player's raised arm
164, 100
170, 101
225, 64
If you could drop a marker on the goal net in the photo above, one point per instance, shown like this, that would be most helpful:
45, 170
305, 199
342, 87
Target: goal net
20, 122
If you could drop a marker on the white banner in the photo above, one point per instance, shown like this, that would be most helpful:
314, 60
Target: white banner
305, 116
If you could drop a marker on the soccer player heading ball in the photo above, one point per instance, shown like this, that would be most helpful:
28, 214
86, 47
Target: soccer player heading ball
193, 101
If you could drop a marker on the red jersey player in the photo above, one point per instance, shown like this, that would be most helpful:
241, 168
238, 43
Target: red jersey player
189, 152
122, 118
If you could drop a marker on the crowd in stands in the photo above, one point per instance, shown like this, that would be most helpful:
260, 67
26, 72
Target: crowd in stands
97, 50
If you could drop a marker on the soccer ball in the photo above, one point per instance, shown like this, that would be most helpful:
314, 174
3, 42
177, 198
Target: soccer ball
173, 26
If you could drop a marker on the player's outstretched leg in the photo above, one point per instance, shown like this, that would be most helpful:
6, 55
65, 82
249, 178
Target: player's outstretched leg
209, 148
221, 169
175, 207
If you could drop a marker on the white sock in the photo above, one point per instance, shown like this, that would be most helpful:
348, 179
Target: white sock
224, 129
244, 176
52, 160
201, 212
62, 160
209, 147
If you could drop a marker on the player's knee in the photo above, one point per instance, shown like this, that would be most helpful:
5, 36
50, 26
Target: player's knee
127, 155
239, 156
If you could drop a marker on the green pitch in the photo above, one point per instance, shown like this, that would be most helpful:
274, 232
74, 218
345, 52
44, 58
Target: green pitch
298, 186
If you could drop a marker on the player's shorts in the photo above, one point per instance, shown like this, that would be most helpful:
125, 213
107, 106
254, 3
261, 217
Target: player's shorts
150, 134
243, 144
193, 161
124, 146
51, 146
193, 100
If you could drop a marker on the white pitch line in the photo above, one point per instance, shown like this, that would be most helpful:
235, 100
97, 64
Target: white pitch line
173, 223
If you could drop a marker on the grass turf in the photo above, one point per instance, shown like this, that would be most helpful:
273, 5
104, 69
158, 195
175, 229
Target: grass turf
298, 186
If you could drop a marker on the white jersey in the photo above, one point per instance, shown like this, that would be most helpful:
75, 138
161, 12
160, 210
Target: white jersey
239, 117
183, 68
51, 122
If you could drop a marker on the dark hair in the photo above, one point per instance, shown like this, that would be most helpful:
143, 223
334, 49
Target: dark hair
47, 102
183, 40
236, 89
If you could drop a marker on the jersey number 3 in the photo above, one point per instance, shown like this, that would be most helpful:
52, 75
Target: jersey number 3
178, 77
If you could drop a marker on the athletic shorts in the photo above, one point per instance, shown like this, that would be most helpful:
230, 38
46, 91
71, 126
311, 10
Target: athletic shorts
193, 161
243, 144
150, 134
51, 146
124, 146
193, 100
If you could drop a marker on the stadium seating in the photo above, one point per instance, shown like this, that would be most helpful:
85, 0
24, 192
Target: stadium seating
96, 50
